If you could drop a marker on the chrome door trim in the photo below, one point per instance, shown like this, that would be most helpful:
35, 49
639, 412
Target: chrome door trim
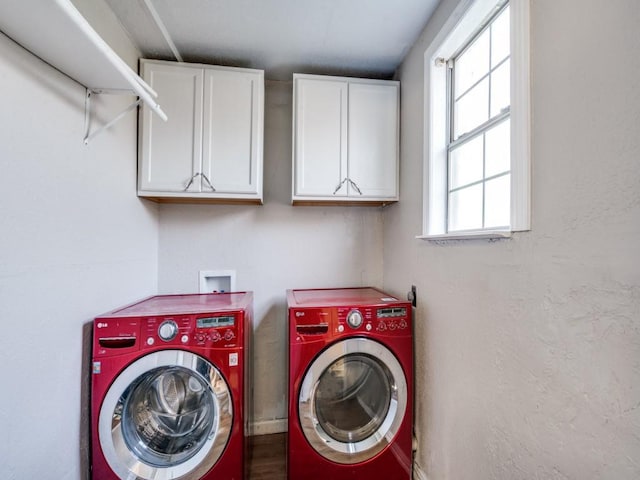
321, 441
125, 464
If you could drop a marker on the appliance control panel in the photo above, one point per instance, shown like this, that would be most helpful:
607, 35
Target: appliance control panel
392, 319
317, 322
388, 320
190, 330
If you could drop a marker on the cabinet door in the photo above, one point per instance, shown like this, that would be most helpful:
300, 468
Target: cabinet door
373, 140
232, 135
320, 138
171, 151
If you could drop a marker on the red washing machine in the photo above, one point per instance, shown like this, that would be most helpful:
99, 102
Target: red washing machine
170, 388
350, 385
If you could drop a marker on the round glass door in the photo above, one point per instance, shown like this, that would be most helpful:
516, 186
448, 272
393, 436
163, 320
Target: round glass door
166, 415
352, 400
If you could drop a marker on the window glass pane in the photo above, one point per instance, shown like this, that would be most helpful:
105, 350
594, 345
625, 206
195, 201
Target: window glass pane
498, 149
465, 209
472, 109
472, 65
500, 43
480, 95
466, 163
497, 202
500, 88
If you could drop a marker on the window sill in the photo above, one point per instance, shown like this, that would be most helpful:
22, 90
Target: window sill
477, 235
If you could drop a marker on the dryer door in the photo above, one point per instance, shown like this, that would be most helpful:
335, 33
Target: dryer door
168, 414
352, 400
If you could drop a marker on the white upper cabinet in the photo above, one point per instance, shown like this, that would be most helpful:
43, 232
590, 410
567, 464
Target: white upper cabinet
210, 149
345, 140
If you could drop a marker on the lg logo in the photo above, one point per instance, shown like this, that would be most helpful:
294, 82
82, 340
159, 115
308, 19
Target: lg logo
299, 314
102, 325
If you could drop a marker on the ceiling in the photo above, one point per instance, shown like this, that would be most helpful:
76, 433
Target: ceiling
367, 38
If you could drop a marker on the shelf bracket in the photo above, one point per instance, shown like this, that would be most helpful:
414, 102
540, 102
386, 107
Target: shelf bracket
139, 86
87, 113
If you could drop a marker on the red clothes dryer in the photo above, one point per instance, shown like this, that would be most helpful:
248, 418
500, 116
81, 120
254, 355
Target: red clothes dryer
170, 388
350, 385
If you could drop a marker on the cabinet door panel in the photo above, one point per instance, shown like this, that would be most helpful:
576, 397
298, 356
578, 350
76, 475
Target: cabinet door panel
373, 139
171, 151
232, 119
320, 137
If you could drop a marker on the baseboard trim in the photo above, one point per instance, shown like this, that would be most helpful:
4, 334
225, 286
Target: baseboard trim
418, 473
267, 427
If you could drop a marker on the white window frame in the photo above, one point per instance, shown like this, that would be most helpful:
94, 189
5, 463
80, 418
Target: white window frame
465, 20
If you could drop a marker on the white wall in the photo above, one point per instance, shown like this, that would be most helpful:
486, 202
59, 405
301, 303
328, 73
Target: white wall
272, 247
75, 242
528, 349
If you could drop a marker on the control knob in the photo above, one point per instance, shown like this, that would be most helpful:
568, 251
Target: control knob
354, 318
168, 330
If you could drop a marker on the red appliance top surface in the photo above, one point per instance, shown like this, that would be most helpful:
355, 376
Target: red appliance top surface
185, 304
337, 297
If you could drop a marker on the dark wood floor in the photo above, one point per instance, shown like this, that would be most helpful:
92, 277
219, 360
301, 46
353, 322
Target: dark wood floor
268, 457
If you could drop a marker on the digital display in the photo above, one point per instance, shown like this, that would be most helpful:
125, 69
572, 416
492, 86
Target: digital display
392, 312
209, 322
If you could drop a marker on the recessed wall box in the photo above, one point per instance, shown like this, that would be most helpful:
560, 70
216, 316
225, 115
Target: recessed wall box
217, 281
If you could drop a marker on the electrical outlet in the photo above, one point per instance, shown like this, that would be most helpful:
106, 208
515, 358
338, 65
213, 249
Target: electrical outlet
412, 296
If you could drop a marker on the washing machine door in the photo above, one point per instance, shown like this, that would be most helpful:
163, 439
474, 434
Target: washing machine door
352, 400
167, 415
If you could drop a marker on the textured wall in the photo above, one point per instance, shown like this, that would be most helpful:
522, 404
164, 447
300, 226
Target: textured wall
75, 242
272, 247
528, 349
